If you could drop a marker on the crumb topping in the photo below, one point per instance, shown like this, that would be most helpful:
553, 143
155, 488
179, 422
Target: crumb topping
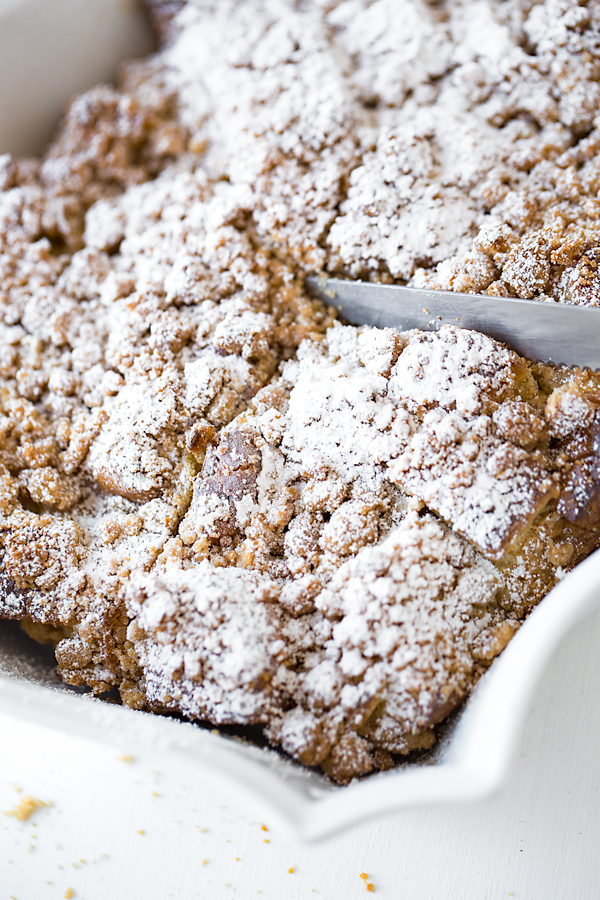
218, 500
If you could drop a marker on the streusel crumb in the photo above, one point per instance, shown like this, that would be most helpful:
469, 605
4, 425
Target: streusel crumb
214, 497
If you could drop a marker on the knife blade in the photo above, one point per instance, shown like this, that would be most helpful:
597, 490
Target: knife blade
547, 332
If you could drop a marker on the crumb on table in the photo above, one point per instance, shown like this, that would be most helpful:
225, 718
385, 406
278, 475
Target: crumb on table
25, 808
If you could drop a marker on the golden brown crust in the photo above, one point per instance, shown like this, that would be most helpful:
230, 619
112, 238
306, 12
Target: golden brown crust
162, 13
210, 498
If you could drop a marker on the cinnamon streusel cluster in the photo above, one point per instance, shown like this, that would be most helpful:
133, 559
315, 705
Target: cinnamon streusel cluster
216, 498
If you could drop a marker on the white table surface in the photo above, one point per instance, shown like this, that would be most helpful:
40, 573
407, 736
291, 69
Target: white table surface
118, 829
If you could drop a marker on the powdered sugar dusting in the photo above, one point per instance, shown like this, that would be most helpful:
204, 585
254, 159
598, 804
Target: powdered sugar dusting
213, 498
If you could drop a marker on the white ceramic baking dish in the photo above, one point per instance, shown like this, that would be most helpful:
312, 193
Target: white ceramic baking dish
47, 51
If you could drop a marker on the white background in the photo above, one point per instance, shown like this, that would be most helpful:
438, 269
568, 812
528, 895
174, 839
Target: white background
537, 840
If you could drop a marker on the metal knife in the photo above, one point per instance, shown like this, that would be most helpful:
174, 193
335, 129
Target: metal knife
548, 332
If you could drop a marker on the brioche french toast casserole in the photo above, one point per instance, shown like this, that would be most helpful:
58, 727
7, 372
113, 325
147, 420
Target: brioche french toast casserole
216, 498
